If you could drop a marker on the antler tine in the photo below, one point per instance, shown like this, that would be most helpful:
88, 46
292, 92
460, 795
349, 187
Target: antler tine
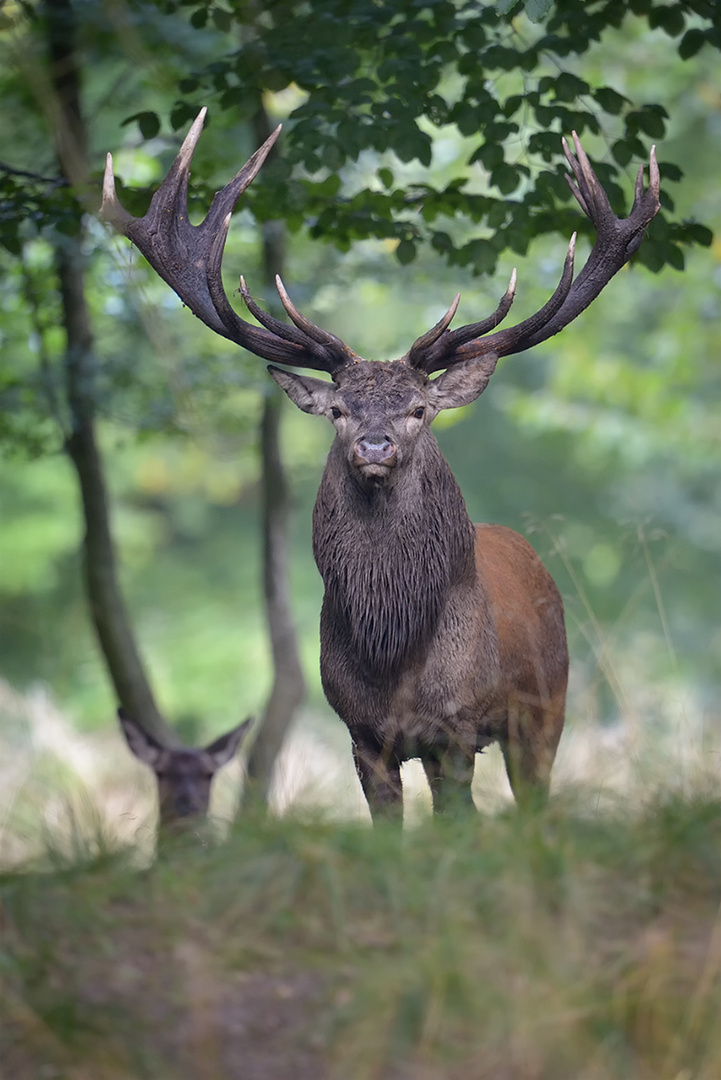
575, 186
474, 330
506, 341
316, 333
467, 342
645, 201
417, 350
290, 333
329, 353
424, 356
283, 347
189, 257
616, 241
110, 208
588, 192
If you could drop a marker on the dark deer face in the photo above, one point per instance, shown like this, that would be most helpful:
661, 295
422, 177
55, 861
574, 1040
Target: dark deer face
184, 775
381, 410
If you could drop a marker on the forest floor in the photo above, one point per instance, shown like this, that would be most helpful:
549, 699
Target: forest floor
584, 944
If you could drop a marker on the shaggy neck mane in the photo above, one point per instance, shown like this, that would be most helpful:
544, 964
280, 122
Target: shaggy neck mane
388, 555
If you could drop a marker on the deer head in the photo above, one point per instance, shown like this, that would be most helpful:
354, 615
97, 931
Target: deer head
381, 410
184, 775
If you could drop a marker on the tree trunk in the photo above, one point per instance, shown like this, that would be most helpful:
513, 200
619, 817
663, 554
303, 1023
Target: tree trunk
103, 593
288, 687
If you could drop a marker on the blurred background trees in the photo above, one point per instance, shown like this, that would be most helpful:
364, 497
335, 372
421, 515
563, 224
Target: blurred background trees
419, 157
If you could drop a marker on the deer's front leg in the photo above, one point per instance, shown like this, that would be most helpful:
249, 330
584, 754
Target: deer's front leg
379, 772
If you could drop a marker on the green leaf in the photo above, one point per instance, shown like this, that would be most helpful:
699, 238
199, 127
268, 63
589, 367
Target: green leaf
536, 10
569, 87
650, 120
222, 19
512, 104
329, 187
332, 156
490, 154
670, 18
181, 114
442, 242
691, 43
622, 152
465, 117
675, 256
545, 143
670, 171
148, 122
386, 177
698, 233
10, 241
610, 100
497, 214
481, 255
406, 252
506, 178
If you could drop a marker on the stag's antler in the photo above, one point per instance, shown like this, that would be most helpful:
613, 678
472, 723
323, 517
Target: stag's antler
617, 239
189, 258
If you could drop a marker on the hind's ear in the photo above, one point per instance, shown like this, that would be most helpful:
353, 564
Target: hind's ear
224, 748
144, 746
462, 383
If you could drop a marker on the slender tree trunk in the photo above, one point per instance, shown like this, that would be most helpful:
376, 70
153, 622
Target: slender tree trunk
288, 687
104, 596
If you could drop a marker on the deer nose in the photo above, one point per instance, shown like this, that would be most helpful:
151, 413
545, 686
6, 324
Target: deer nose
375, 449
187, 803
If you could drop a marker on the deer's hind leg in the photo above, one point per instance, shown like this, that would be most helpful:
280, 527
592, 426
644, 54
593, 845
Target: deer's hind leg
449, 771
529, 747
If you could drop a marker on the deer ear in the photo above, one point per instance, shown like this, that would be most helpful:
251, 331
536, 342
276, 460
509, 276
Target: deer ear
224, 748
144, 746
462, 383
310, 395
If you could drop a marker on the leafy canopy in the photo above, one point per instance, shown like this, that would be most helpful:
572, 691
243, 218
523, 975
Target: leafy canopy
371, 82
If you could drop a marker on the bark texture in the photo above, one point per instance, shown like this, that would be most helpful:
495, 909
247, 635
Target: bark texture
288, 687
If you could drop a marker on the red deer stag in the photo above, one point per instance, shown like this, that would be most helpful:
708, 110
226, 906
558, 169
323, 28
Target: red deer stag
437, 637
184, 775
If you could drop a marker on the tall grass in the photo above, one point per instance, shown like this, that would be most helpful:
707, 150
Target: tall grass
577, 945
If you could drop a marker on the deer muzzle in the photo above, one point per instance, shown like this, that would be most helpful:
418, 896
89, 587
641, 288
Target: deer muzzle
374, 454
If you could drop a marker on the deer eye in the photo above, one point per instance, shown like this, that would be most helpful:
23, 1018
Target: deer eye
419, 413
335, 412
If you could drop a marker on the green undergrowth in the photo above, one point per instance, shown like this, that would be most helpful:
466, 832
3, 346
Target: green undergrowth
565, 947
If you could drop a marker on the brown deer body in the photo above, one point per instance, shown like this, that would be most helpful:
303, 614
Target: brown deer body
437, 638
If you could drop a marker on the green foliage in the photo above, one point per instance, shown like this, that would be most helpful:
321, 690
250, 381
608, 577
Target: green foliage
32, 204
376, 80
